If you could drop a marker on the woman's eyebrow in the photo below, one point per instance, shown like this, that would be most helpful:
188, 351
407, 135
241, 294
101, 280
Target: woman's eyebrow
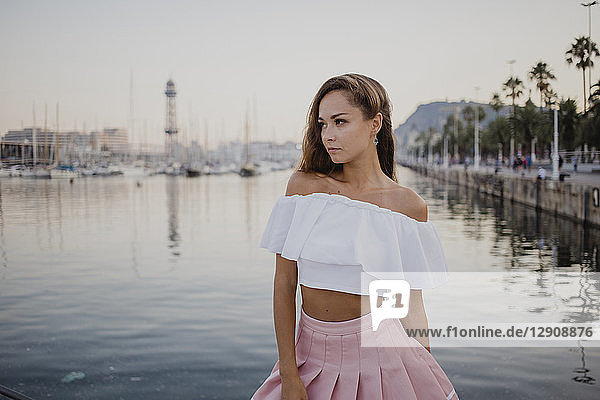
335, 115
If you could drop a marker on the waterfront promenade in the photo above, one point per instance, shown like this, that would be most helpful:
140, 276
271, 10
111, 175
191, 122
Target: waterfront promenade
577, 197
584, 174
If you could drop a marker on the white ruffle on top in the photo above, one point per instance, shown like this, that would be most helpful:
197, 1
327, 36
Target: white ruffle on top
334, 238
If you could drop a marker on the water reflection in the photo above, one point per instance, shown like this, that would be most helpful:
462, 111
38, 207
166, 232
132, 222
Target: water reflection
3, 255
137, 193
248, 185
524, 237
85, 264
582, 371
172, 183
585, 304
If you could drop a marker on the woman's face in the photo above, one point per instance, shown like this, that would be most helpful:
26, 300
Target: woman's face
344, 127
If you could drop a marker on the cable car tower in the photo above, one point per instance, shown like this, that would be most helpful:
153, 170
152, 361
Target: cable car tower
171, 120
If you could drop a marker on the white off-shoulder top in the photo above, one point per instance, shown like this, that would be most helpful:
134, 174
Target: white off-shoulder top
334, 239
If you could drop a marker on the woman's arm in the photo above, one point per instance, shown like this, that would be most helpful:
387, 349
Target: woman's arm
284, 311
284, 315
416, 318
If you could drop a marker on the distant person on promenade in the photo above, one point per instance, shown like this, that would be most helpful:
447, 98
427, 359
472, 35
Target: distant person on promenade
560, 162
575, 159
344, 213
517, 164
541, 173
528, 160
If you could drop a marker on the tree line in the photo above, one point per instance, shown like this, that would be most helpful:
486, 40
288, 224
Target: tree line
526, 128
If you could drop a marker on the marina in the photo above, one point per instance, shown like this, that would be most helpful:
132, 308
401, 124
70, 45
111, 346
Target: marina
37, 152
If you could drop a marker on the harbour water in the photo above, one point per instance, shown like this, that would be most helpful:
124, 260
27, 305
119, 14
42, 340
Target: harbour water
155, 287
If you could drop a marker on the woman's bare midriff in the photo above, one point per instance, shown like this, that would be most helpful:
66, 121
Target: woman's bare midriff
333, 306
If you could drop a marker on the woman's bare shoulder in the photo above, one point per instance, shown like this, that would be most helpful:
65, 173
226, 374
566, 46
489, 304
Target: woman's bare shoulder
301, 182
405, 200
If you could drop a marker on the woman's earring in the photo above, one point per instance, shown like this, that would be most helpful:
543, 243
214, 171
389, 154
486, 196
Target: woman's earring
375, 141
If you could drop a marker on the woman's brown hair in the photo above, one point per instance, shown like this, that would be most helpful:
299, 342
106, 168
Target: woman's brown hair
368, 95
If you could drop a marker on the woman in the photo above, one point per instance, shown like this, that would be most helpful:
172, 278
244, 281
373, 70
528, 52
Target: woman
343, 217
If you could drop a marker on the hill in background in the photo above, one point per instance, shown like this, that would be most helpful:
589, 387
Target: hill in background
435, 115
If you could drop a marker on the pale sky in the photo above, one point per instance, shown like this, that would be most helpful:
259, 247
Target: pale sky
223, 54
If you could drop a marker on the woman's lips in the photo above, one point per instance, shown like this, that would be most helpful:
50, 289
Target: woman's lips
333, 149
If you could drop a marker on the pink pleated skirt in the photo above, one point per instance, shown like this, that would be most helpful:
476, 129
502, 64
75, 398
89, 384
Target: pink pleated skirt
333, 365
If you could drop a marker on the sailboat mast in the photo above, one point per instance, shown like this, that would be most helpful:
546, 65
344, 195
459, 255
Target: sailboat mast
206, 157
254, 127
45, 132
131, 111
34, 139
56, 149
221, 154
246, 136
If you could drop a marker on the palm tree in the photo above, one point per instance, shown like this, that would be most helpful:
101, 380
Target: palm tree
494, 136
425, 140
541, 74
454, 131
481, 114
581, 53
468, 114
569, 127
550, 96
591, 125
528, 123
496, 103
595, 96
514, 89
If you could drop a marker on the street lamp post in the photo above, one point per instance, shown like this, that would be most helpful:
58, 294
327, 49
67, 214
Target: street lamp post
500, 158
430, 152
511, 63
589, 7
445, 132
446, 161
512, 130
555, 174
34, 139
455, 133
477, 156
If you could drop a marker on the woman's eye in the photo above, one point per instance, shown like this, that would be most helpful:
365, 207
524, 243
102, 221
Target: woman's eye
321, 125
339, 121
